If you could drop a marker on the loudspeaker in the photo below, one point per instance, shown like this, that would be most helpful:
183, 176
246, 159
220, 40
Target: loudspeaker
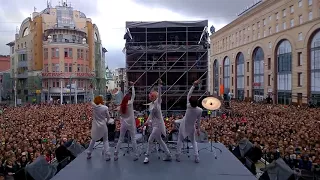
63, 155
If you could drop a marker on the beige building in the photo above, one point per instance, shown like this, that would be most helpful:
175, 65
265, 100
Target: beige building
272, 49
57, 54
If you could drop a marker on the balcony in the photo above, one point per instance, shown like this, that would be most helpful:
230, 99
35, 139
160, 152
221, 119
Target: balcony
22, 64
65, 36
22, 75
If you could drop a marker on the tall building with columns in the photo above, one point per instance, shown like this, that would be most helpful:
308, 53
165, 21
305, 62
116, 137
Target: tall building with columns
57, 54
271, 49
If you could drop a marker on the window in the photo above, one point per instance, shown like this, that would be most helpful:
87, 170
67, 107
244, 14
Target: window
269, 63
300, 36
300, 19
300, 3
300, 59
291, 22
45, 53
300, 79
232, 68
54, 52
56, 67
78, 53
270, 32
258, 23
68, 52
264, 33
277, 28
248, 67
247, 80
258, 35
284, 13
310, 2
277, 16
79, 68
66, 67
310, 15
270, 46
70, 67
270, 18
81, 54
264, 22
284, 25
269, 80
291, 9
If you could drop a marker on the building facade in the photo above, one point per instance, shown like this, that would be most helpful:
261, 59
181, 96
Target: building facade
55, 55
170, 51
4, 63
271, 50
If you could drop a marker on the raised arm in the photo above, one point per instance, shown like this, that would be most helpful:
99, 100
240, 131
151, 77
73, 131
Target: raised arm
133, 95
159, 100
189, 93
191, 90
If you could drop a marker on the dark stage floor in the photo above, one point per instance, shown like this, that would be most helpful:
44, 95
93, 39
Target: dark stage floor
226, 167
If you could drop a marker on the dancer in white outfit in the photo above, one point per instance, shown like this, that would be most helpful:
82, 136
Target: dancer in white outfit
156, 120
127, 123
190, 124
99, 127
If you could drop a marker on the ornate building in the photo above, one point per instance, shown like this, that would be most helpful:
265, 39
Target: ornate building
57, 54
272, 49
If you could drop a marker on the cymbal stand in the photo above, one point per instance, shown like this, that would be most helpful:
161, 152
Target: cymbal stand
212, 148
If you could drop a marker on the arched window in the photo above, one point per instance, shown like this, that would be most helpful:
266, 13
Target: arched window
240, 77
315, 69
284, 72
25, 32
258, 74
96, 36
216, 76
226, 75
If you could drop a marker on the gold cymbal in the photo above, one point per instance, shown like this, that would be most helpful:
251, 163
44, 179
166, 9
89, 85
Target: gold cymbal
211, 103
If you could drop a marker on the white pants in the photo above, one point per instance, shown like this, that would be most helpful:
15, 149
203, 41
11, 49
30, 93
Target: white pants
156, 135
193, 141
106, 147
123, 130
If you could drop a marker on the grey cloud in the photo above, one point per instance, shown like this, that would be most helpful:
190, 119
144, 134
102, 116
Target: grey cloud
216, 11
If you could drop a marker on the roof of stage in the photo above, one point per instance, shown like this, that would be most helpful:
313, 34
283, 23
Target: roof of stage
163, 24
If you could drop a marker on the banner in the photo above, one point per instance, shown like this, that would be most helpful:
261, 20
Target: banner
67, 75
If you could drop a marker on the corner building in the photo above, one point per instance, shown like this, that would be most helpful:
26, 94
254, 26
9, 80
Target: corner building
57, 54
273, 49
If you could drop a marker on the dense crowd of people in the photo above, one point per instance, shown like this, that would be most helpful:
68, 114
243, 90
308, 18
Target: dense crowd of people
289, 132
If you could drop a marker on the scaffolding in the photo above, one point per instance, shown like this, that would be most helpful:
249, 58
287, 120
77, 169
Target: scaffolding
170, 51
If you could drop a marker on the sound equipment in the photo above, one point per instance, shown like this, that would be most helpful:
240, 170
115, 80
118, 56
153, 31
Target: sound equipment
41, 169
67, 153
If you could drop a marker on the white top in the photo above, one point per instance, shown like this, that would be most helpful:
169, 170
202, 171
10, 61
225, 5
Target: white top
99, 123
127, 119
155, 116
191, 118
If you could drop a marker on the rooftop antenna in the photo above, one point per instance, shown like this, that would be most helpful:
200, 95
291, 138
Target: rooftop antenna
48, 4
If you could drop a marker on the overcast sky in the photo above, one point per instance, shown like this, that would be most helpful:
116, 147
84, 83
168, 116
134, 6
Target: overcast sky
110, 17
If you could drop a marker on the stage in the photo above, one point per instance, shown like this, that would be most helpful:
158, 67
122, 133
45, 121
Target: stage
226, 167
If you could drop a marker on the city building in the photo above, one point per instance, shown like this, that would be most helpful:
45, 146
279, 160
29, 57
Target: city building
120, 79
5, 87
272, 49
4, 63
57, 53
110, 80
170, 51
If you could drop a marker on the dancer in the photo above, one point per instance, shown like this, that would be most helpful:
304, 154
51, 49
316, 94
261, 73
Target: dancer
127, 123
190, 124
156, 120
99, 127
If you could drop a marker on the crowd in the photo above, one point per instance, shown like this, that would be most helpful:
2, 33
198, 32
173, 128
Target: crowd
33, 130
290, 132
